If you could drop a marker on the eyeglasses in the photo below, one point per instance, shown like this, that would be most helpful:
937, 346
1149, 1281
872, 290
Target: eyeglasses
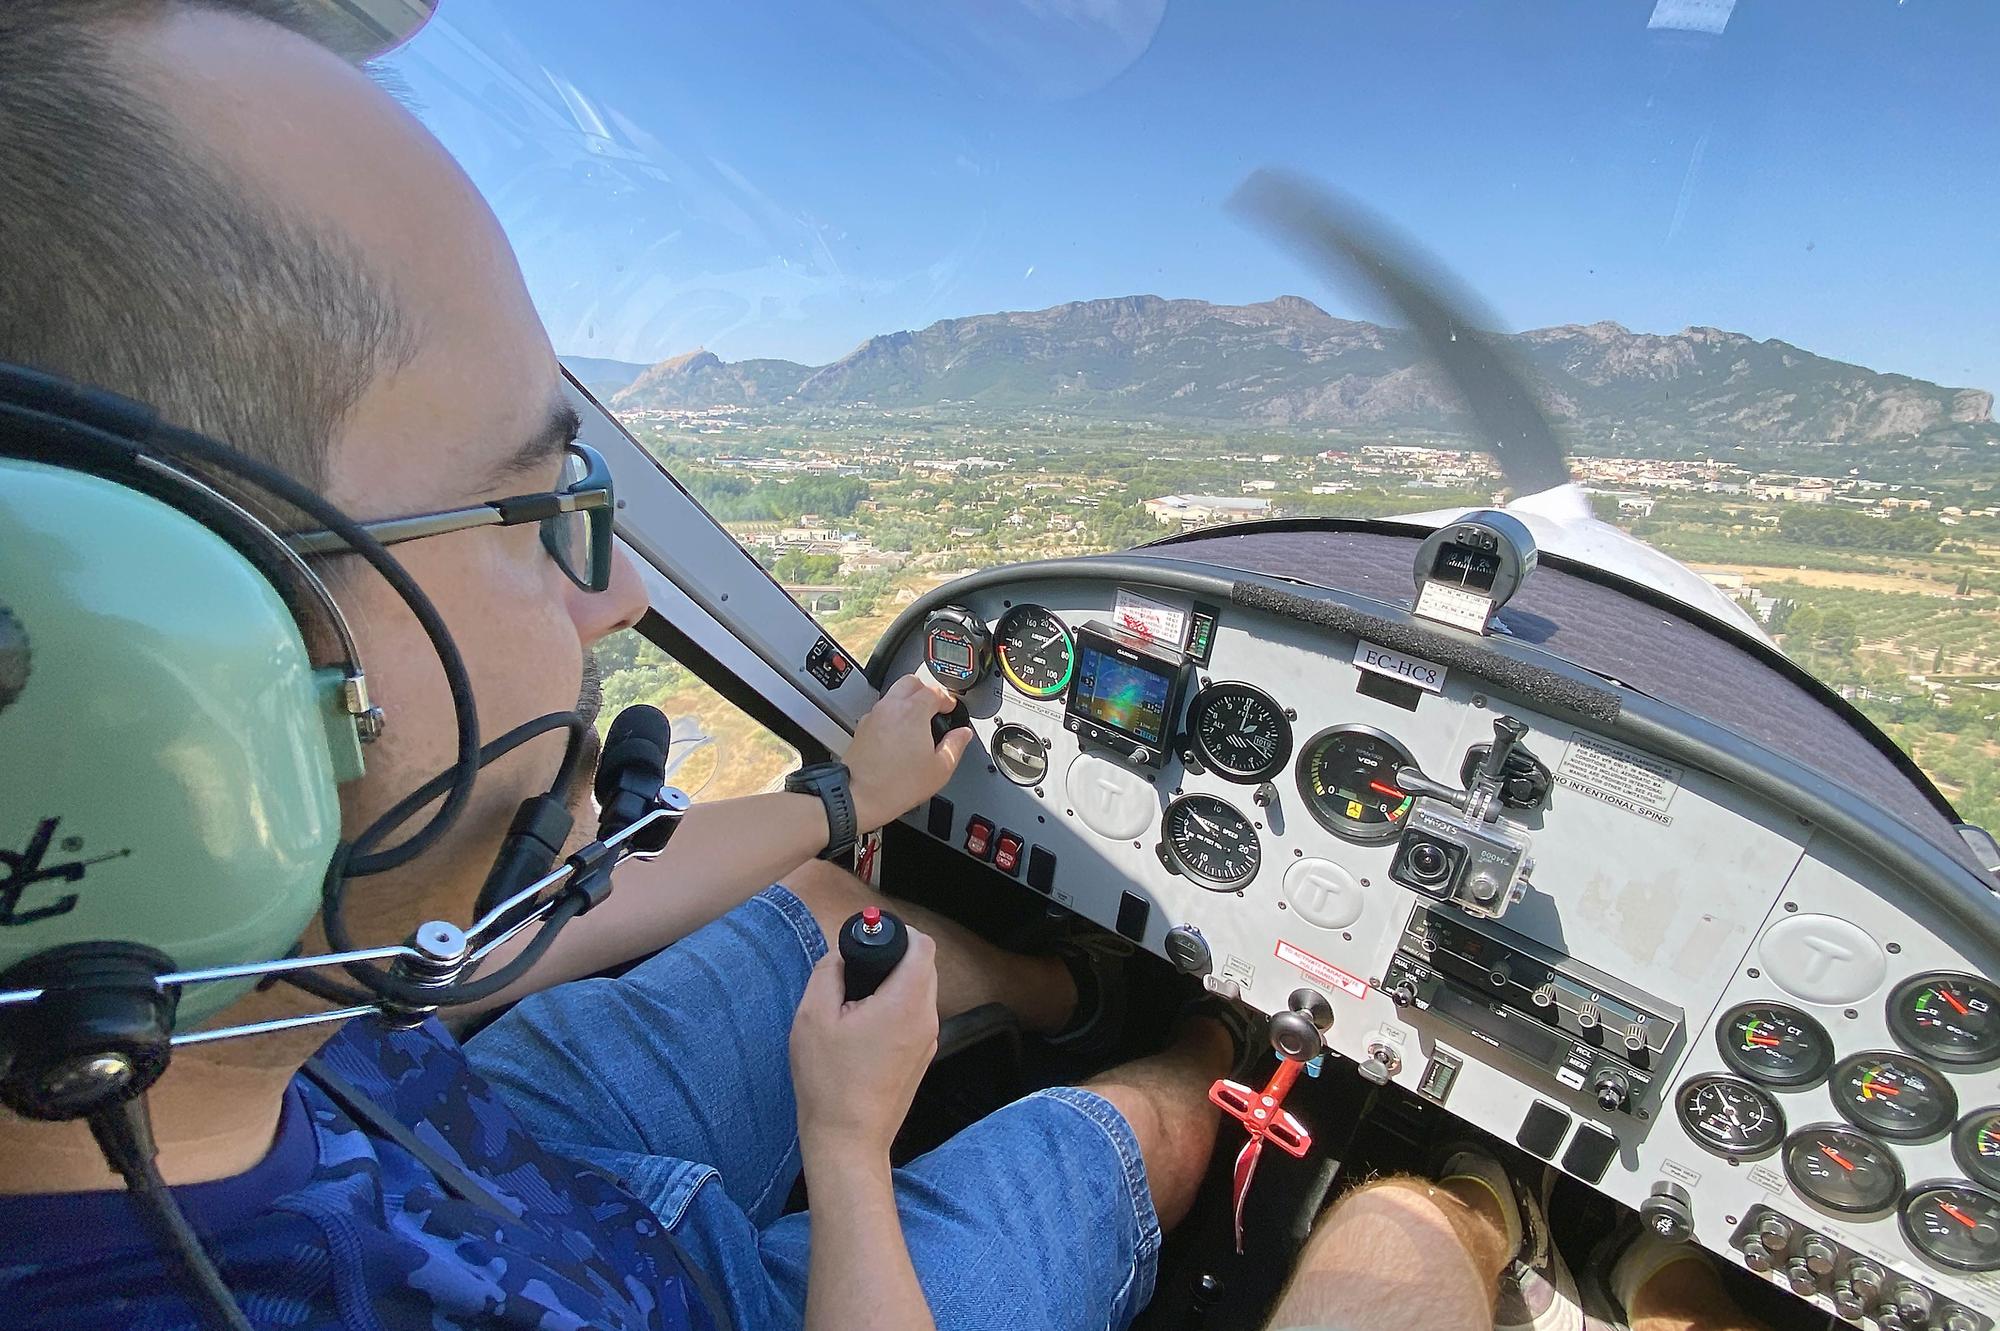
575, 520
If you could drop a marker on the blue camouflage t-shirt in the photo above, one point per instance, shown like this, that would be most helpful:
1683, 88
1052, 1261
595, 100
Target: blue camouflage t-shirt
341, 1229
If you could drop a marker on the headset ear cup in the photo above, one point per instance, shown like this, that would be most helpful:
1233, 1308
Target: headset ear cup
184, 794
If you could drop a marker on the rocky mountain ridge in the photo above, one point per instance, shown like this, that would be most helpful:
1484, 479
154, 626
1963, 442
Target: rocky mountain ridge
1286, 362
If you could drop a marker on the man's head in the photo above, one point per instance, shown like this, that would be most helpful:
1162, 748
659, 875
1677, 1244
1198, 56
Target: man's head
210, 213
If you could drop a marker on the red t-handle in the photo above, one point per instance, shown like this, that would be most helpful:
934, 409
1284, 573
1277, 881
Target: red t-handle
1262, 1113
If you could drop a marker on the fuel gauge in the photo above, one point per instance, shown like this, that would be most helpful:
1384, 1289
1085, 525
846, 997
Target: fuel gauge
1954, 1225
1842, 1170
1774, 1043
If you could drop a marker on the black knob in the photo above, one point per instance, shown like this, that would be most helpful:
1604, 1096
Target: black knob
1612, 1089
1294, 1036
871, 943
944, 723
1668, 1212
1403, 992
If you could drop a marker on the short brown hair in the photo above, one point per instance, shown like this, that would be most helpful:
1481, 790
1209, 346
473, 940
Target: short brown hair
131, 260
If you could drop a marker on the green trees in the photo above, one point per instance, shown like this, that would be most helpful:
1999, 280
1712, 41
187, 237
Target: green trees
1845, 529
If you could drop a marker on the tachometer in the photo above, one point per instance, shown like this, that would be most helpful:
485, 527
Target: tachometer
1729, 1117
1209, 841
1240, 732
1842, 1170
1954, 1225
1035, 651
1894, 1095
1347, 776
1947, 1016
1774, 1043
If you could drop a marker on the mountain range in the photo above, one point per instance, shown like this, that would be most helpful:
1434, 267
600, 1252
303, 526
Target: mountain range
1286, 362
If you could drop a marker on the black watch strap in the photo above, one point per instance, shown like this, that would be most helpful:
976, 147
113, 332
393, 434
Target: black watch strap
830, 782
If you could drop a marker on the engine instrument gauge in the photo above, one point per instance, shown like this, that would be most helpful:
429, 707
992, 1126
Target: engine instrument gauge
1894, 1095
1035, 651
1209, 841
1955, 1225
1347, 777
1774, 1043
1842, 1170
1239, 732
1947, 1016
1976, 1143
1729, 1117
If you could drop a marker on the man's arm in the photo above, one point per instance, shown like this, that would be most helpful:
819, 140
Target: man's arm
855, 1069
724, 853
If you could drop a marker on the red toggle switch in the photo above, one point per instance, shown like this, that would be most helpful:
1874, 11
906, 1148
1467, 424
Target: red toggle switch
1007, 850
978, 838
1264, 1116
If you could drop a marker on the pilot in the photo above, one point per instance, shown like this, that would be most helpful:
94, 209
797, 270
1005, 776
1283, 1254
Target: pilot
181, 223
205, 211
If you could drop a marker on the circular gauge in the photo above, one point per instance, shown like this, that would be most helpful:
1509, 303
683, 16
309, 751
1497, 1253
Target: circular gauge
1894, 1095
1976, 1143
1955, 1225
1775, 1044
1347, 776
1206, 839
1729, 1117
1842, 1170
1035, 651
1240, 732
1947, 1016
1018, 753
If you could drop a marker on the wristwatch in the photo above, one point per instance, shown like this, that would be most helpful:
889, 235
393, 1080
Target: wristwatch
830, 782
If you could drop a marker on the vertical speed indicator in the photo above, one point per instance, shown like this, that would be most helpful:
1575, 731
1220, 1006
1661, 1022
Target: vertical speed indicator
1035, 651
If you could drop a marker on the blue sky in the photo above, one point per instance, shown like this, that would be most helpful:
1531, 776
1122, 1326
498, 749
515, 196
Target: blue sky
785, 179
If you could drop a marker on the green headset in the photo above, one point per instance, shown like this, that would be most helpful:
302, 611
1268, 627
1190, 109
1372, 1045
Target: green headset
170, 765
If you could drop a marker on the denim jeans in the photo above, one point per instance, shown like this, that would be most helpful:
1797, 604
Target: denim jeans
676, 1079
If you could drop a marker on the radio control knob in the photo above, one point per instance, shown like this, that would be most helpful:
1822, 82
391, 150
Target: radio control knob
1403, 992
1612, 1088
1587, 1016
1800, 1277
1818, 1254
1888, 1319
1849, 1304
1958, 1319
1755, 1255
1544, 994
1775, 1233
1142, 755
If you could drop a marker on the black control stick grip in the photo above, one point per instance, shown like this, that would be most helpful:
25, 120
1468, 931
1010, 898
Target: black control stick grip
944, 723
872, 942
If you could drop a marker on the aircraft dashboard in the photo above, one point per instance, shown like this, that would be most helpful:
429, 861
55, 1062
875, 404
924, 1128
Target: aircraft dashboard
1683, 980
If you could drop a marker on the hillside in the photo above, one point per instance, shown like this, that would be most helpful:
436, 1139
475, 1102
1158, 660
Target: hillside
1286, 362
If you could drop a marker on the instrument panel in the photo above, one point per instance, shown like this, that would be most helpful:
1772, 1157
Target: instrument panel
1674, 989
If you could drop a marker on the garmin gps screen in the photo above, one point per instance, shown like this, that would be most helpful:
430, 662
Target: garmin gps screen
1125, 696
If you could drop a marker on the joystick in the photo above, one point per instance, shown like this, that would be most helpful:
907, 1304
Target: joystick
872, 942
944, 723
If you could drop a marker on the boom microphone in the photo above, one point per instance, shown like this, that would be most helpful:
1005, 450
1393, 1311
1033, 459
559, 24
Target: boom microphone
632, 770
